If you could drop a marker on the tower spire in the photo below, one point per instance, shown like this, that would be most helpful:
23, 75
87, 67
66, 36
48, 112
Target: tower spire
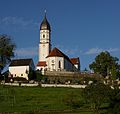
45, 12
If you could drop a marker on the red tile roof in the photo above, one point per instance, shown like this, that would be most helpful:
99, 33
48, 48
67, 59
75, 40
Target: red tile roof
57, 53
74, 60
41, 63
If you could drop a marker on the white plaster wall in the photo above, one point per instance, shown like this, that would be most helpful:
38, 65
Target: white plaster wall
53, 63
44, 50
44, 45
18, 70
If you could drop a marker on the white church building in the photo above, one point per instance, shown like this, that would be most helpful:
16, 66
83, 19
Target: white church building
53, 59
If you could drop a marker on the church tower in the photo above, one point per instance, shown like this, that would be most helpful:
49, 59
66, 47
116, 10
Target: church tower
45, 39
45, 43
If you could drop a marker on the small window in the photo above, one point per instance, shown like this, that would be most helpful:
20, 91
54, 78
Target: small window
43, 36
59, 64
52, 61
21, 74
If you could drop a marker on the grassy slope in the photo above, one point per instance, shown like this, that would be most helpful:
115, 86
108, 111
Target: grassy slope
26, 99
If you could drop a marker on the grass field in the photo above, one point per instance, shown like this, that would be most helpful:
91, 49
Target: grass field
36, 100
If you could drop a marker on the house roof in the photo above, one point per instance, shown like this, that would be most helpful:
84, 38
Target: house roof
20, 62
41, 63
74, 60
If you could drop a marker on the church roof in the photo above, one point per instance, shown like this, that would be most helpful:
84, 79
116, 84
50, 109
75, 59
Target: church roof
57, 53
45, 24
74, 60
41, 63
20, 62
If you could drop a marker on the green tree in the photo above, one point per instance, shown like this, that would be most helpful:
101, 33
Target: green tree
31, 74
6, 50
114, 104
39, 77
106, 65
96, 94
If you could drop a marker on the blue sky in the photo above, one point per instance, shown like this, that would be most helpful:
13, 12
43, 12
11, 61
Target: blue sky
80, 28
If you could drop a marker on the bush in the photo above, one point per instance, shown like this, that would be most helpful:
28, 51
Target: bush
20, 79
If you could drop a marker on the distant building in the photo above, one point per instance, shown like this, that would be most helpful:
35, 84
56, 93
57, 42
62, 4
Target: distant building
53, 59
21, 67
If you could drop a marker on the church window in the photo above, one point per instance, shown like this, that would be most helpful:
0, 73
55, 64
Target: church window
52, 61
43, 36
59, 64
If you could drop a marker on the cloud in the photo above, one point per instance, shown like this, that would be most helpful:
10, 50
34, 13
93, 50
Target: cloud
26, 52
113, 49
93, 51
17, 22
98, 50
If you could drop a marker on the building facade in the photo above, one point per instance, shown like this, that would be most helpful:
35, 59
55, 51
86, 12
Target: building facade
21, 68
53, 59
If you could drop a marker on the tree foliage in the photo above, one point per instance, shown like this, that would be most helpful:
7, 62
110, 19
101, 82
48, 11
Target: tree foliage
106, 65
114, 104
96, 94
6, 50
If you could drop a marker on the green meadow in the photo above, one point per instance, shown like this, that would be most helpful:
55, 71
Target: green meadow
36, 100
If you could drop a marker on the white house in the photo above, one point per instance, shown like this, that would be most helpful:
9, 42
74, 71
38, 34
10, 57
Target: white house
53, 59
21, 67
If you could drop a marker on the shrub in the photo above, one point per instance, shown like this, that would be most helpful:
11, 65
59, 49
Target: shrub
20, 79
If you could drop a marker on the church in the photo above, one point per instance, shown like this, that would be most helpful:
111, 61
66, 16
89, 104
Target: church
53, 59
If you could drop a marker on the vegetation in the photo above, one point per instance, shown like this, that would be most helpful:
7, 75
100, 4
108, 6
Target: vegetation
106, 65
96, 94
35, 100
96, 98
6, 50
114, 105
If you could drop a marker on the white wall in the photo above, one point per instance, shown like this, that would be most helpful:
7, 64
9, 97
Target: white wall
19, 71
53, 63
44, 50
45, 45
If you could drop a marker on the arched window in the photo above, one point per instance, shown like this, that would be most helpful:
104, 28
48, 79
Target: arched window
59, 64
43, 36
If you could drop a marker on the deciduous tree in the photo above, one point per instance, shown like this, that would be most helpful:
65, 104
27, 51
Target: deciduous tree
96, 94
6, 50
106, 65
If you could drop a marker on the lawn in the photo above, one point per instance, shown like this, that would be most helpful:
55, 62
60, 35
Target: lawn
36, 100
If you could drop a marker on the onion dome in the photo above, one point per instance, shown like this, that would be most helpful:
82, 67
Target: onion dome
45, 24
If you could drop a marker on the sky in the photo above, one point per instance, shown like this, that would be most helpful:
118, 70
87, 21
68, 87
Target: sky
79, 28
